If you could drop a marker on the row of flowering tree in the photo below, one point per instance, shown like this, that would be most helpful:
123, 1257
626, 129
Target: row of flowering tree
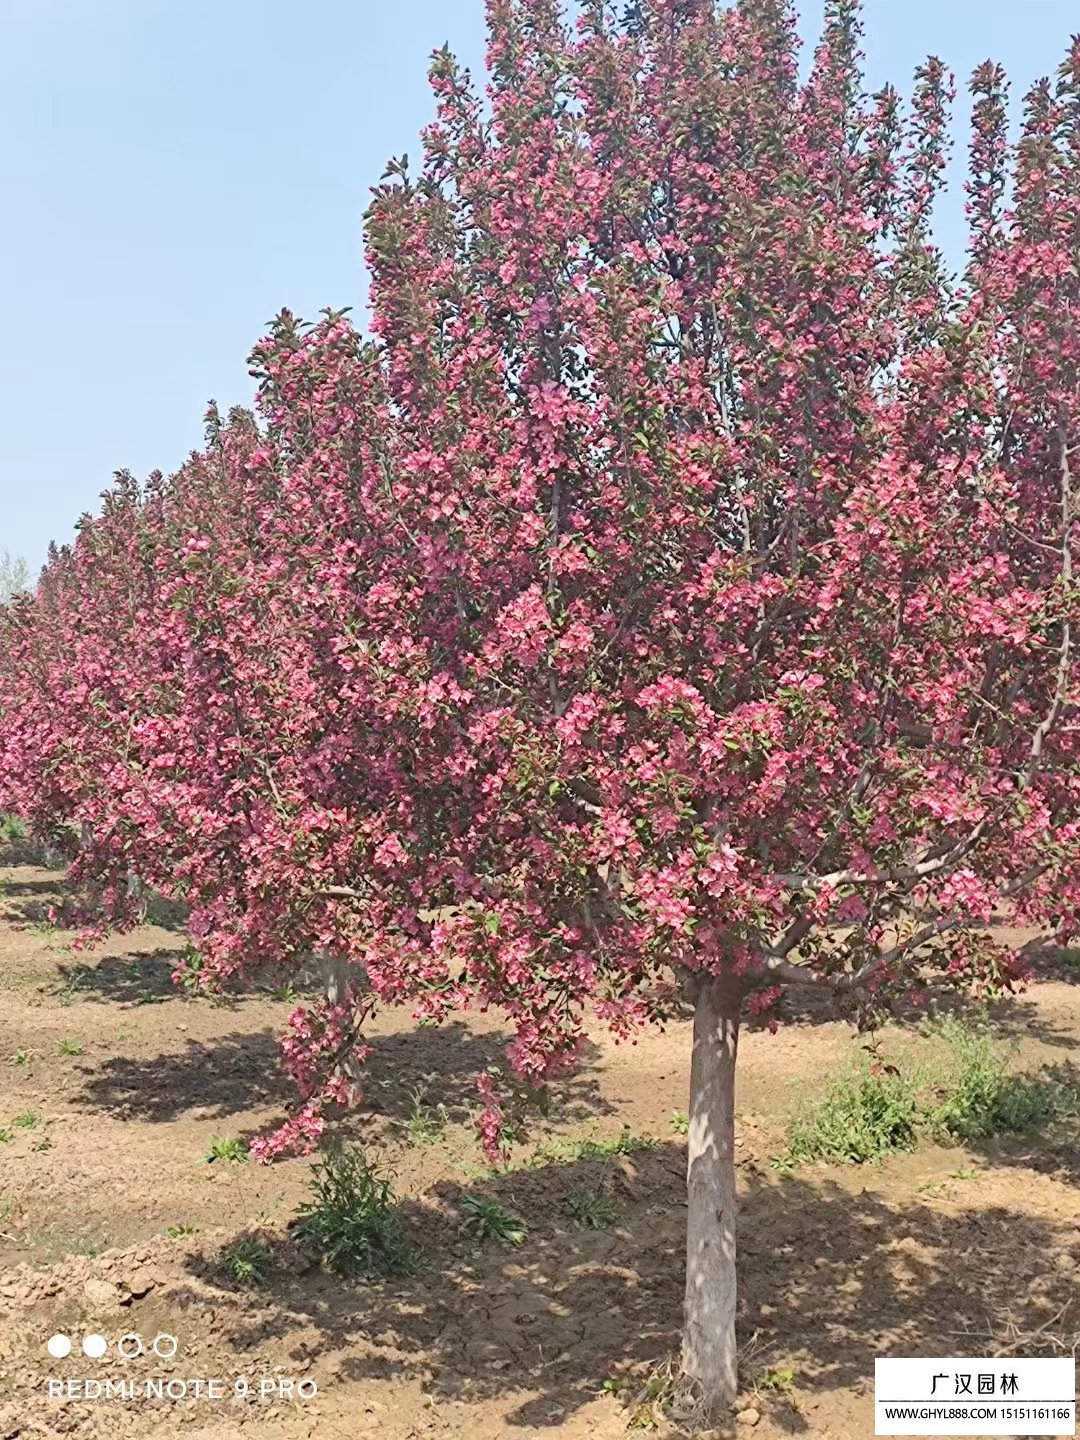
672, 597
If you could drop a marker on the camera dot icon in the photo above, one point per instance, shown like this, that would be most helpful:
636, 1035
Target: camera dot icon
58, 1346
94, 1346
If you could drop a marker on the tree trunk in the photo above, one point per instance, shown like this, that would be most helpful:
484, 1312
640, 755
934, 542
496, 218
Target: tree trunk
709, 1351
337, 977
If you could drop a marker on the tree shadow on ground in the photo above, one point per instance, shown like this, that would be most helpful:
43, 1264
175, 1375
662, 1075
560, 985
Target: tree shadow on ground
48, 886
232, 1074
24, 852
437, 1066
1054, 1151
1012, 1017
830, 1277
1053, 961
425, 1068
143, 978
146, 978
22, 913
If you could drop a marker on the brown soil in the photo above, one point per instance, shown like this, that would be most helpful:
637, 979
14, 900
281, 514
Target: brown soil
940, 1252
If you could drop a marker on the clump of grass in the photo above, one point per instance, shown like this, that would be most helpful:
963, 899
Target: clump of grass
625, 1143
27, 1119
353, 1222
488, 1220
563, 1150
680, 1122
592, 1209
23, 1057
181, 1232
66, 996
983, 1096
69, 1047
863, 1116
286, 993
235, 1151
247, 1261
425, 1123
61, 1244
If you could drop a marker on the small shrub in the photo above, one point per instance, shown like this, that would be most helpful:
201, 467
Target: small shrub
862, 1117
488, 1220
247, 1261
680, 1122
984, 1097
592, 1209
233, 1150
353, 1222
13, 830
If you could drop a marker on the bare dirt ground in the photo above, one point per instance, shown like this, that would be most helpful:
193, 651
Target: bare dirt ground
113, 1086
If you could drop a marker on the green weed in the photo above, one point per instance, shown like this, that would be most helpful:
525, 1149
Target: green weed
565, 1150
775, 1380
235, 1151
247, 1261
425, 1123
353, 1222
863, 1116
983, 1096
488, 1220
592, 1209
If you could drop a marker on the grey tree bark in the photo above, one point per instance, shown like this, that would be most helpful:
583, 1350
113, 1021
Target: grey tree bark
709, 1357
336, 979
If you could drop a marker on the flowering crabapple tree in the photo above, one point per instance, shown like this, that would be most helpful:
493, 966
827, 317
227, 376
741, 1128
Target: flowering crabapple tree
673, 598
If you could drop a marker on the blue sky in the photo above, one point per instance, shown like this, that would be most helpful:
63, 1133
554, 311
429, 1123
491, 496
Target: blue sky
174, 173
